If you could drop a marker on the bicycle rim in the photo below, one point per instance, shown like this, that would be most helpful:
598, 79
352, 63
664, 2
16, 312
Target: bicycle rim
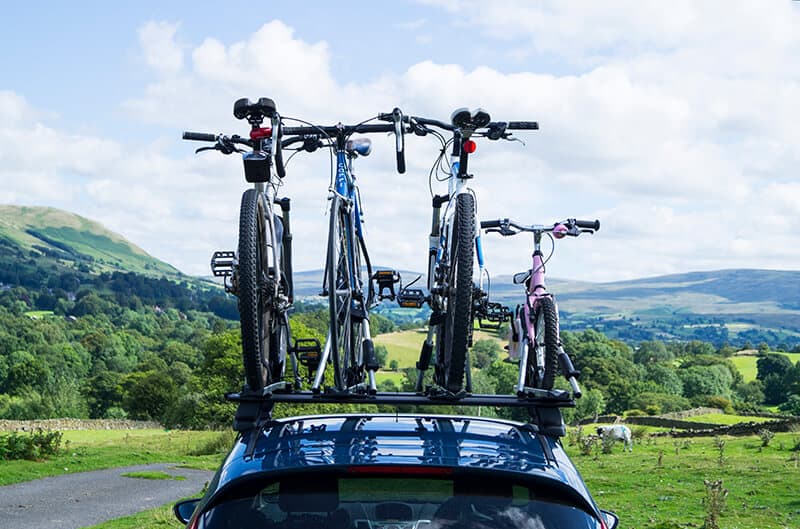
340, 294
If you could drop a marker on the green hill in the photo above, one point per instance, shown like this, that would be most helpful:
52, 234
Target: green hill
64, 238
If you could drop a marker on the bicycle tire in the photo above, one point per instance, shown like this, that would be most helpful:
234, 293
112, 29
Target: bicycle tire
543, 347
340, 295
458, 315
255, 290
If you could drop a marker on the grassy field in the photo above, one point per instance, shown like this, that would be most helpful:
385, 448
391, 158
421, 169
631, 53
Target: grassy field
404, 346
98, 449
660, 485
746, 364
724, 419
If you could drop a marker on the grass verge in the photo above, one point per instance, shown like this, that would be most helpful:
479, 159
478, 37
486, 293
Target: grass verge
98, 449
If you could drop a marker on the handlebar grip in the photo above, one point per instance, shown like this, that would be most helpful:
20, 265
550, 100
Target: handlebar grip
490, 223
523, 125
590, 224
199, 136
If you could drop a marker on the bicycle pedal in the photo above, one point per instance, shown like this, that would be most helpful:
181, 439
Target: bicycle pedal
308, 351
412, 298
386, 280
223, 263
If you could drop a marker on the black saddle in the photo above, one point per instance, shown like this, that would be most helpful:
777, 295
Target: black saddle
244, 108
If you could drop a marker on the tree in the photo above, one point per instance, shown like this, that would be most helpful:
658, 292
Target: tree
591, 404
652, 352
381, 354
659, 402
772, 363
791, 406
665, 377
484, 352
103, 391
750, 393
393, 365
148, 394
701, 381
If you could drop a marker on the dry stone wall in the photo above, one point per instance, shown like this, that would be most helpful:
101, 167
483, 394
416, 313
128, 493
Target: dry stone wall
77, 424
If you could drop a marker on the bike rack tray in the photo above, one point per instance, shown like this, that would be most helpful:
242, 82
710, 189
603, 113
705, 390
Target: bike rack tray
255, 408
550, 399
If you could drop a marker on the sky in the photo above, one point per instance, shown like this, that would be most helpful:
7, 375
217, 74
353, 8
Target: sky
677, 124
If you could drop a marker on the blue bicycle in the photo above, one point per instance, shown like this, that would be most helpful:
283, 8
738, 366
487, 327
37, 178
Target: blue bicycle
348, 269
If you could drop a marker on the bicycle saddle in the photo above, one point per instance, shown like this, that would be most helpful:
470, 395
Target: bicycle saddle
265, 107
361, 146
464, 119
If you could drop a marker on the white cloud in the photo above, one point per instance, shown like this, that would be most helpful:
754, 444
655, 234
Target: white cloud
161, 52
676, 126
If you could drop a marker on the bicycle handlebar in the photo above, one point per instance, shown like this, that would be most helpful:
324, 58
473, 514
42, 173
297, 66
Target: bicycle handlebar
574, 226
493, 130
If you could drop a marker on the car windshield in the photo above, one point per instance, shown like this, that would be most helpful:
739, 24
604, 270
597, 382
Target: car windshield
395, 503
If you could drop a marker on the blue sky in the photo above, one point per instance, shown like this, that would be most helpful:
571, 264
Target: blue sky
677, 127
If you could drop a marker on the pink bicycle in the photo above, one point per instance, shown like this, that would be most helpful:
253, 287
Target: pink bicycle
535, 338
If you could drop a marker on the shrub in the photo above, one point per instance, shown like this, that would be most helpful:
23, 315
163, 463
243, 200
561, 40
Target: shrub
635, 413
33, 446
715, 401
766, 436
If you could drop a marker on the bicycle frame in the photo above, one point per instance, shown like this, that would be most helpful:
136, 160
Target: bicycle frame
535, 291
345, 187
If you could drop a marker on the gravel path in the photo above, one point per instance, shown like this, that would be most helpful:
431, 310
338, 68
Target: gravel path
79, 500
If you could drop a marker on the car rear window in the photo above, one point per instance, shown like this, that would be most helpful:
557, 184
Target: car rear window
396, 502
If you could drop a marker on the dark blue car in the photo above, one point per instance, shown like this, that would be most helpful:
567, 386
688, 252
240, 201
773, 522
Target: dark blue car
396, 472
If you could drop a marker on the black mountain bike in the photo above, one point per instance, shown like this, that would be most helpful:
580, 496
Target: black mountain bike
260, 272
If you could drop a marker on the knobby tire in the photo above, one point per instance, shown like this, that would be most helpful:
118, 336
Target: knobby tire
458, 316
255, 291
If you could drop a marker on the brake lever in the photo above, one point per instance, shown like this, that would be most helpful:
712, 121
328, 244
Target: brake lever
201, 149
417, 128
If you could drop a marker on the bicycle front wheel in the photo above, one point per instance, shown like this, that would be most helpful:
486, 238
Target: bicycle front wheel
257, 289
543, 350
340, 285
458, 314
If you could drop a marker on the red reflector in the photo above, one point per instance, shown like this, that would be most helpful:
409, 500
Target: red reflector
470, 146
401, 470
257, 134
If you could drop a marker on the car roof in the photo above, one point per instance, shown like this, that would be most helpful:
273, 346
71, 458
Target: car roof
514, 449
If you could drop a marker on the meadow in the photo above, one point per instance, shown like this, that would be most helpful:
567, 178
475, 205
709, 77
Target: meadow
746, 364
85, 450
660, 485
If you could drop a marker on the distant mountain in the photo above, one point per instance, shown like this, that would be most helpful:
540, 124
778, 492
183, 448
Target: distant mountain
723, 305
65, 239
37, 244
